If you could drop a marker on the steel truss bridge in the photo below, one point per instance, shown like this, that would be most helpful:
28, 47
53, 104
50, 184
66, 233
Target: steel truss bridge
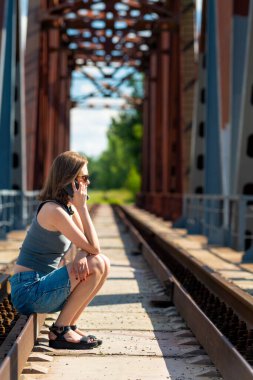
197, 99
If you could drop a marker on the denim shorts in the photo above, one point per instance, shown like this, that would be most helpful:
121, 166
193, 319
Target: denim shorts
34, 292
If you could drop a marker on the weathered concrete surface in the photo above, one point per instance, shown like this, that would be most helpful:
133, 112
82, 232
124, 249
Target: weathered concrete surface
139, 341
224, 260
121, 368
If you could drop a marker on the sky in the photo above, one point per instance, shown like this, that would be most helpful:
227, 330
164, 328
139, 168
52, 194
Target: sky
89, 125
88, 130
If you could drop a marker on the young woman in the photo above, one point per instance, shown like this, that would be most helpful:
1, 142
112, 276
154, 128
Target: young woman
39, 284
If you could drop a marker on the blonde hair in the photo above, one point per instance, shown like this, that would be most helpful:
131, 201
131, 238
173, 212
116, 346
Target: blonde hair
63, 171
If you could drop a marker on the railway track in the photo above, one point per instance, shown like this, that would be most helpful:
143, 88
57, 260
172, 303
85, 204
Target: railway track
219, 313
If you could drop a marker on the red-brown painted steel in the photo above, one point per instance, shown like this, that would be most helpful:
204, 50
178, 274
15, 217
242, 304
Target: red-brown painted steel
187, 85
145, 142
165, 109
47, 96
158, 123
164, 161
31, 87
202, 36
153, 115
170, 98
241, 7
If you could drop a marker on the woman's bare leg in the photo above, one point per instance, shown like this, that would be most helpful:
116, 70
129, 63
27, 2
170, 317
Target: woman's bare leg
106, 264
80, 290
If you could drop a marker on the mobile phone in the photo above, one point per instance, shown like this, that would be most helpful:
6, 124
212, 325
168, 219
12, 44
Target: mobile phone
69, 189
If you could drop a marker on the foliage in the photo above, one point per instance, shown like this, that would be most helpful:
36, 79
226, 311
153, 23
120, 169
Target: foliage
133, 180
119, 166
115, 196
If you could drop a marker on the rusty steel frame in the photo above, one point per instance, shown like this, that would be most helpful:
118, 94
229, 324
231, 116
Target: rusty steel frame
152, 16
47, 77
14, 362
168, 106
223, 354
70, 38
50, 60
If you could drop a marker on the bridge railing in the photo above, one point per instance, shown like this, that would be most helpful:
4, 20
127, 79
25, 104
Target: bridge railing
30, 203
225, 220
16, 209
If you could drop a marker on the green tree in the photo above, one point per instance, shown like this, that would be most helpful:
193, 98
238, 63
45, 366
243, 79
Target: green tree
119, 165
123, 156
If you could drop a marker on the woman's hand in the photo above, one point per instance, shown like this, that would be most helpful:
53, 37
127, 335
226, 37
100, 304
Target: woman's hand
80, 266
80, 195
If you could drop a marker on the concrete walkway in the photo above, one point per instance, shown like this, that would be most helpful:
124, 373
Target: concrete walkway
139, 341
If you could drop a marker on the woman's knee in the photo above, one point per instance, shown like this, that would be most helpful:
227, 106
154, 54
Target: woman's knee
106, 261
96, 265
99, 264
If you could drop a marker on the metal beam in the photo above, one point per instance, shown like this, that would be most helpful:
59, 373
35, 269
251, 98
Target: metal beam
8, 90
213, 175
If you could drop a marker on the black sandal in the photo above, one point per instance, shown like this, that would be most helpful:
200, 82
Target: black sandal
61, 343
99, 341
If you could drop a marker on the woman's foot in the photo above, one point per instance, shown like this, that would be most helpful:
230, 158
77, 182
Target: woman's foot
79, 332
63, 337
69, 336
91, 338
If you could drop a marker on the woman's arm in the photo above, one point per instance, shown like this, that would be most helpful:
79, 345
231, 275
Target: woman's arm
83, 220
82, 217
80, 230
63, 223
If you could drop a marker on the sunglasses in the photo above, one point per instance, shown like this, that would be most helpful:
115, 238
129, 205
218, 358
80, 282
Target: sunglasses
84, 177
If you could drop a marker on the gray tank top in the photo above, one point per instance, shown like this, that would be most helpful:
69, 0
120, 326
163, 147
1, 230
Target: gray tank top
42, 249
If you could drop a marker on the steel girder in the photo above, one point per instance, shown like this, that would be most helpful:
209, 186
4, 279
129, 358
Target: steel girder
243, 181
168, 100
168, 106
199, 117
218, 159
224, 108
8, 50
47, 96
244, 151
213, 179
12, 132
239, 46
70, 33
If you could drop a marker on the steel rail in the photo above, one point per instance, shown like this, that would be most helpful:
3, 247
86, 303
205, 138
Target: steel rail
225, 356
19, 345
18, 334
23, 332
